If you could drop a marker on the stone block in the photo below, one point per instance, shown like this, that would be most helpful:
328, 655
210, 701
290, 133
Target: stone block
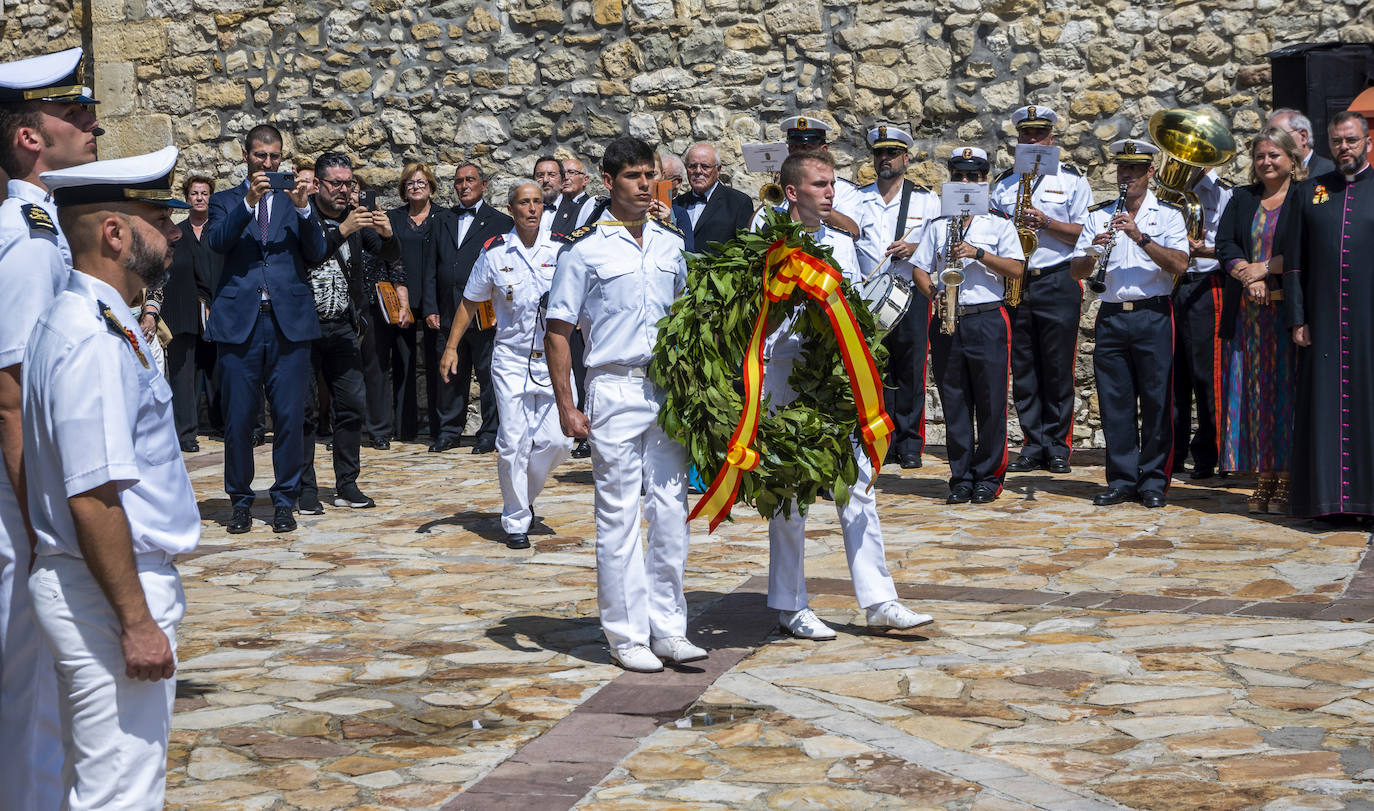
221, 94
134, 134
135, 41
114, 86
607, 12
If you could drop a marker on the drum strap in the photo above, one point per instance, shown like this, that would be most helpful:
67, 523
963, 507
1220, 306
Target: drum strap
907, 188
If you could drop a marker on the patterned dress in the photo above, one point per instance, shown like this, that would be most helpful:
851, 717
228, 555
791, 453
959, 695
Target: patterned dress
1258, 374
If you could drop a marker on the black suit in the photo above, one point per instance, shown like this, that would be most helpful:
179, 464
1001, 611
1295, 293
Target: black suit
727, 210
566, 215
194, 273
1319, 165
474, 350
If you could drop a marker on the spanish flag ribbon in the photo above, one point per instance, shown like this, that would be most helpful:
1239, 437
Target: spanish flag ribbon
784, 270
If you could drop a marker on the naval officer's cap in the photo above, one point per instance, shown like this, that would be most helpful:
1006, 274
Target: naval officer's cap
1034, 115
968, 159
886, 136
139, 179
801, 129
59, 77
1132, 150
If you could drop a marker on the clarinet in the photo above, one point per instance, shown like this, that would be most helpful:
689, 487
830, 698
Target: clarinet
1098, 282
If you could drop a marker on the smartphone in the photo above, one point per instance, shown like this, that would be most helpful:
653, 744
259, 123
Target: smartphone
663, 192
282, 181
368, 199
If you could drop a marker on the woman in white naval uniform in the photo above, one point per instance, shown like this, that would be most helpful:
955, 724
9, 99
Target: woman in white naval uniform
514, 273
808, 180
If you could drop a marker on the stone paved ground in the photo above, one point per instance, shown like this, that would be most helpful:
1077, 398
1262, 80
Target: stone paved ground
402, 657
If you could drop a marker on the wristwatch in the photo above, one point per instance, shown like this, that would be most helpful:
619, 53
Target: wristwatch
1144, 240
980, 254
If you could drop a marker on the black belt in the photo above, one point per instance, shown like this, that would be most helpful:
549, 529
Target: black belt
1045, 271
265, 306
1139, 304
974, 309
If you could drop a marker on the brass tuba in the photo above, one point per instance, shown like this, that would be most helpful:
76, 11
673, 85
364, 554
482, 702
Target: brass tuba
1192, 143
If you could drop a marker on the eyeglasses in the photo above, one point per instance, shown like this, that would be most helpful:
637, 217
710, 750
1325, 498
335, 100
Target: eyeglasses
419, 183
888, 152
701, 167
575, 172
965, 177
1348, 141
339, 184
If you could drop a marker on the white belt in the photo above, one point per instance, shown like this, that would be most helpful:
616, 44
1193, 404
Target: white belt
622, 371
143, 560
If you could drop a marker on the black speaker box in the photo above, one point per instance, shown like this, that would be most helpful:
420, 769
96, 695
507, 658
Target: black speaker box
1321, 79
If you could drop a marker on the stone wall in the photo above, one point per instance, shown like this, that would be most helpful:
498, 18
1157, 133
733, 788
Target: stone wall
501, 81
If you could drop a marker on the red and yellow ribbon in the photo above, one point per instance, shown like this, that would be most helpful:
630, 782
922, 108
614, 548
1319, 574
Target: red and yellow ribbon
785, 269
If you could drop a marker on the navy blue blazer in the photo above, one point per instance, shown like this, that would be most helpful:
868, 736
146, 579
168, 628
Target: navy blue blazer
279, 265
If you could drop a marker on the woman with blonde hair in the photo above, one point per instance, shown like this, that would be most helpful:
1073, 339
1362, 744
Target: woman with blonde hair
1258, 366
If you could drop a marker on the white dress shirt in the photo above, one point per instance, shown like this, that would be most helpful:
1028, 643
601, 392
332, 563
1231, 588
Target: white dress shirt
1064, 197
513, 278
993, 233
34, 263
1131, 273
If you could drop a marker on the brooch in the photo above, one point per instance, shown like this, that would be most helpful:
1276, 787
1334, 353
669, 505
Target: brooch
119, 329
1319, 194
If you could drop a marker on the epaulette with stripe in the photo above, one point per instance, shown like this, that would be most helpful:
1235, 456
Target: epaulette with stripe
579, 233
1175, 206
1225, 184
1071, 169
1005, 174
1102, 205
669, 225
844, 231
38, 218
997, 213
499, 239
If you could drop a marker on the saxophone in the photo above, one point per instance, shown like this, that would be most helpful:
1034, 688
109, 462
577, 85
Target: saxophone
1098, 282
951, 275
1026, 235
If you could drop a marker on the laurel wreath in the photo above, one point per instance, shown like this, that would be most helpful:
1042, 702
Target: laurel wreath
805, 446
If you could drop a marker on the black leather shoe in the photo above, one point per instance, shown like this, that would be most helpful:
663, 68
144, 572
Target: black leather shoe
582, 449
1201, 473
962, 494
909, 460
484, 446
241, 521
259, 437
283, 520
1023, 464
1152, 498
517, 540
1114, 495
983, 494
446, 443
190, 446
382, 444
1059, 465
309, 504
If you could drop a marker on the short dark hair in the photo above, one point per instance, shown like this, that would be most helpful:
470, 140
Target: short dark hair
12, 117
549, 159
482, 176
193, 180
1348, 115
330, 160
624, 151
262, 134
790, 174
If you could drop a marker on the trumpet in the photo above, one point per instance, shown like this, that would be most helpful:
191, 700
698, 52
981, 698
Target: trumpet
1029, 241
1098, 282
951, 276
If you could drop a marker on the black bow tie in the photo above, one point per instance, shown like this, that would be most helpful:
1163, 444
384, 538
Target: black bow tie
693, 197
461, 211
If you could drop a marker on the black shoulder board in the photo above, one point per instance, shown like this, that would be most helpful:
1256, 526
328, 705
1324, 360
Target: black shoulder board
997, 213
1102, 205
1007, 173
577, 234
37, 218
921, 187
1071, 169
669, 225
499, 239
844, 231
1175, 206
1225, 184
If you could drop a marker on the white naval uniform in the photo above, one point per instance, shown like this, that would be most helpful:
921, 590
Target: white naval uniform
991, 232
863, 535
1063, 197
94, 414
618, 290
848, 200
529, 440
878, 219
1131, 273
34, 264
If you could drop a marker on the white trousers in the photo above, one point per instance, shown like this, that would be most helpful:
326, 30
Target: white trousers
30, 732
114, 729
863, 535
639, 594
529, 440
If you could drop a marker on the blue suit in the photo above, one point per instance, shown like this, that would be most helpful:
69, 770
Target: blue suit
263, 342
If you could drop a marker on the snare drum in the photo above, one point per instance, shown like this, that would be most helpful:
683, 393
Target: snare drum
888, 298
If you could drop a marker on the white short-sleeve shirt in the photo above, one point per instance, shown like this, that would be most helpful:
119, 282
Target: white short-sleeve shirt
513, 278
1131, 273
618, 290
94, 413
34, 262
879, 223
993, 233
1064, 197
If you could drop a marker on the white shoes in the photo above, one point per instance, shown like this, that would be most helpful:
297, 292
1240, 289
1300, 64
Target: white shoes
893, 614
676, 649
804, 624
637, 658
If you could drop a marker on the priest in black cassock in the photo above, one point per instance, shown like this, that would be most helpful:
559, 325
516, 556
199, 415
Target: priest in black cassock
1329, 290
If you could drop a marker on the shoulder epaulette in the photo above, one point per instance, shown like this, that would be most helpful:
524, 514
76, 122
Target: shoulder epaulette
577, 234
1175, 206
846, 180
844, 231
997, 213
38, 218
1007, 173
499, 239
669, 225
1102, 205
921, 187
1225, 184
1071, 169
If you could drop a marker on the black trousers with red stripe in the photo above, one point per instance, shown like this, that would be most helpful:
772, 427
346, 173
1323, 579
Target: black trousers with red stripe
904, 394
971, 370
1044, 342
1132, 366
1197, 369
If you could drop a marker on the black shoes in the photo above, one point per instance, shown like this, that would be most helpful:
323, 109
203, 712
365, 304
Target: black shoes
1114, 495
381, 444
582, 449
259, 437
517, 540
241, 521
309, 504
484, 446
1201, 473
350, 496
909, 461
1023, 464
190, 446
1059, 465
282, 519
961, 494
1152, 499
984, 494
445, 443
